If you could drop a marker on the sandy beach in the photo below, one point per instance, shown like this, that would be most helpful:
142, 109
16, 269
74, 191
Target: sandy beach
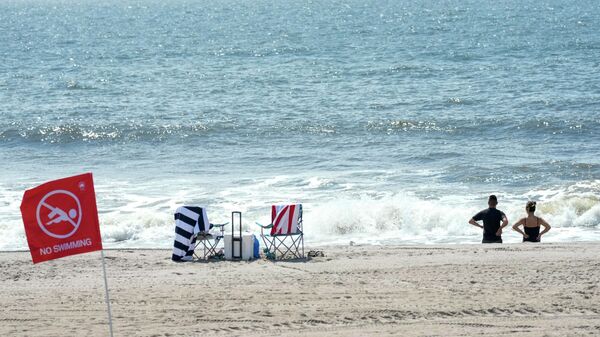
453, 290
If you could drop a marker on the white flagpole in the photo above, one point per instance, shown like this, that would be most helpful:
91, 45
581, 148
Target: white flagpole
106, 292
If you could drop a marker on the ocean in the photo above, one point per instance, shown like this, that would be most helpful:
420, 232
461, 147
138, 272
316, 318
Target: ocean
390, 121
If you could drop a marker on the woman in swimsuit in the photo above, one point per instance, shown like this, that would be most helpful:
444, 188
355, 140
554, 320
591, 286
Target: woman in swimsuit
531, 225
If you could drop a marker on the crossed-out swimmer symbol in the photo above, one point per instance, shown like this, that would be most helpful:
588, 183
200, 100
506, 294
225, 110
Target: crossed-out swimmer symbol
58, 215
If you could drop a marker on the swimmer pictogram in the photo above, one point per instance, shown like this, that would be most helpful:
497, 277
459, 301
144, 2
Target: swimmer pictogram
59, 214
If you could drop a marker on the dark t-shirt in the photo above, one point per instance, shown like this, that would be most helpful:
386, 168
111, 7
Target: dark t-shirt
491, 222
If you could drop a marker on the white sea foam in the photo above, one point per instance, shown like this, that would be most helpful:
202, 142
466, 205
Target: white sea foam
130, 219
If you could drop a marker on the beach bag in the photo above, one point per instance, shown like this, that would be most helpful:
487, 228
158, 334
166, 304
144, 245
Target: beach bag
256, 247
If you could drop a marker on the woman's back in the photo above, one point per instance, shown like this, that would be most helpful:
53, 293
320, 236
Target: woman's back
531, 225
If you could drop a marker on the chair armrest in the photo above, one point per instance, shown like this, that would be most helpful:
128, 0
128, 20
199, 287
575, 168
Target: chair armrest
263, 226
219, 227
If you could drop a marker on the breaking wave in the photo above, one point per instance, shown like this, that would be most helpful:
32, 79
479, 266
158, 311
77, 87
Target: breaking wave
392, 218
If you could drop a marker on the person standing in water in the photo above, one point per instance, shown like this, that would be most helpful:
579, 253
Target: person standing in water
492, 230
531, 225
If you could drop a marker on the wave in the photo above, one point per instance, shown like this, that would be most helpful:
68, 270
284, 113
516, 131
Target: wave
73, 132
76, 85
166, 129
260, 52
388, 218
409, 125
436, 220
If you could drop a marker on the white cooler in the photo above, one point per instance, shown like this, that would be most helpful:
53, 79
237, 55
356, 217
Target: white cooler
247, 246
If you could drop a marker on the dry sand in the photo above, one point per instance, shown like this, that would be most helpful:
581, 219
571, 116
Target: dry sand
466, 290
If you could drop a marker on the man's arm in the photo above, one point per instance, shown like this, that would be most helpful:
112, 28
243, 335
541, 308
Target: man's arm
504, 224
474, 223
504, 221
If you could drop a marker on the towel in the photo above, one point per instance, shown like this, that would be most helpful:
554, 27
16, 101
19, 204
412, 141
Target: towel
285, 219
189, 221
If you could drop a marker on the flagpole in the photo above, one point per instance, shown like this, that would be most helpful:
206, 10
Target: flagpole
106, 293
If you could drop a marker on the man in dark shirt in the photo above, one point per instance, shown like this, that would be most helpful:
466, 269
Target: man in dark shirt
492, 231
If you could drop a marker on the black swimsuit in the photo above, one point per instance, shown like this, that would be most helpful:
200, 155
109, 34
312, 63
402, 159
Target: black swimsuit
533, 232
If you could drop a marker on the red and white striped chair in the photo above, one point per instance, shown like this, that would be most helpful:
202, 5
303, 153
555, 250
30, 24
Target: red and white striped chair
286, 238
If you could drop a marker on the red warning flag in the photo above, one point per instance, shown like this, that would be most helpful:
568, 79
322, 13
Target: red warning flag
61, 218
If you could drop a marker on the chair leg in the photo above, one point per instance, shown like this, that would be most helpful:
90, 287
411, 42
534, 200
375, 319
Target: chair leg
285, 248
268, 243
289, 245
296, 247
209, 248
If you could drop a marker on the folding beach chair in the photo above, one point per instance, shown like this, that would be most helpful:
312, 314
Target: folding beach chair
286, 237
210, 241
192, 229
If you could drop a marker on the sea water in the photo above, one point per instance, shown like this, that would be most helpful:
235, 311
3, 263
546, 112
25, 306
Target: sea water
390, 121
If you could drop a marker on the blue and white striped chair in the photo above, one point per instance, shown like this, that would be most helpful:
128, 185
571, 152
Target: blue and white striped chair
193, 229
